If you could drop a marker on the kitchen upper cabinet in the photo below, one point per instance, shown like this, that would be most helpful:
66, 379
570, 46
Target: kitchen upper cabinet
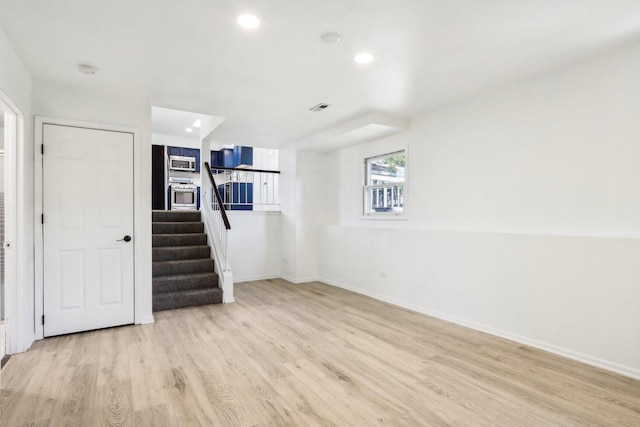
242, 156
216, 159
175, 151
186, 152
227, 158
237, 156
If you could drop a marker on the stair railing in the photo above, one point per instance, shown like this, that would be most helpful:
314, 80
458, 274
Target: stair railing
217, 227
248, 189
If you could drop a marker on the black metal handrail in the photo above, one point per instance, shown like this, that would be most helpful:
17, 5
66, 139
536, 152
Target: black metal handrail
244, 170
223, 211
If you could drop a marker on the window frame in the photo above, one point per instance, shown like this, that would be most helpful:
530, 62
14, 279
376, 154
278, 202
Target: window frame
367, 212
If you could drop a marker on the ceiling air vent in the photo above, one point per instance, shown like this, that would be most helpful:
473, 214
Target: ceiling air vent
319, 107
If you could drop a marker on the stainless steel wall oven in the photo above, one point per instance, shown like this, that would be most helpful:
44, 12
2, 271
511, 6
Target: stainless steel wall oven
184, 197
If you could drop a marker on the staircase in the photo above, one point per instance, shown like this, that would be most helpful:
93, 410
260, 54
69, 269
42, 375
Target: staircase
183, 273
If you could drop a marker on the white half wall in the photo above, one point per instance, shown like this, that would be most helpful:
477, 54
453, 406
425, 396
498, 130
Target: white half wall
577, 296
254, 245
523, 214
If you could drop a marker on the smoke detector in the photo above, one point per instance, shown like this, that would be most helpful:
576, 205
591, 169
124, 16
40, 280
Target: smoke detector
87, 69
330, 38
319, 107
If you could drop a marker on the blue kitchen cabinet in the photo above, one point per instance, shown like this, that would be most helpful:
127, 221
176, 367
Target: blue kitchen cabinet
216, 159
175, 151
237, 156
242, 156
227, 158
235, 193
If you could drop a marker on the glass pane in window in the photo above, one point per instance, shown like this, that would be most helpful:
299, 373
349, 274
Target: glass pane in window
386, 170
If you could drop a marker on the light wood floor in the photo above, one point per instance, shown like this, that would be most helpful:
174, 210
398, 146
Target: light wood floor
298, 355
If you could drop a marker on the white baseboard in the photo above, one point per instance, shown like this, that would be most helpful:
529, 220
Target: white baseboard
287, 278
145, 320
297, 281
570, 354
252, 278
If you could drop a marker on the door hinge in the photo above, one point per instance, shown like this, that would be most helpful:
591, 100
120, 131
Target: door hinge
42, 219
41, 148
43, 319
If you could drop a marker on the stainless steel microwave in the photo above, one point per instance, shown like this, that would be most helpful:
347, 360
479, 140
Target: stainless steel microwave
182, 163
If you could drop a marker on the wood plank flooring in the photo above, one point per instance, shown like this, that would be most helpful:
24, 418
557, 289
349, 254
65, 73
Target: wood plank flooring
300, 355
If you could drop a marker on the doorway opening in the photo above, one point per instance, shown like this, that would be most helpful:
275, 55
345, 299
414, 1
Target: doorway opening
8, 140
2, 239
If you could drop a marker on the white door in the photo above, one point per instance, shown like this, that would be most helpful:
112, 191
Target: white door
88, 211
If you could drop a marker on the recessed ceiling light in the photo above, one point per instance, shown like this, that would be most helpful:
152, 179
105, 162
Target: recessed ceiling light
189, 130
196, 124
248, 21
364, 58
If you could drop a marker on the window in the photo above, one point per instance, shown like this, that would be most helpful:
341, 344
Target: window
384, 184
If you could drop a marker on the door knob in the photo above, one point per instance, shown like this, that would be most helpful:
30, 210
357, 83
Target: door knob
126, 238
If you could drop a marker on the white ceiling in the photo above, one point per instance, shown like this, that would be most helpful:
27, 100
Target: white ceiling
175, 123
190, 55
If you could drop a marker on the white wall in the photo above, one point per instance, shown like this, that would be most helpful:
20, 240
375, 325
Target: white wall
310, 208
254, 245
523, 214
123, 109
15, 83
175, 141
287, 159
302, 201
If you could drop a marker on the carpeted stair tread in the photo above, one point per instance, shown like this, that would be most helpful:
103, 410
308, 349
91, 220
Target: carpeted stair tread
177, 227
181, 282
180, 299
187, 239
185, 266
175, 216
172, 253
183, 271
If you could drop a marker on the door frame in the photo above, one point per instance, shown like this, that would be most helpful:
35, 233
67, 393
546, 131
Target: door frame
138, 253
13, 223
